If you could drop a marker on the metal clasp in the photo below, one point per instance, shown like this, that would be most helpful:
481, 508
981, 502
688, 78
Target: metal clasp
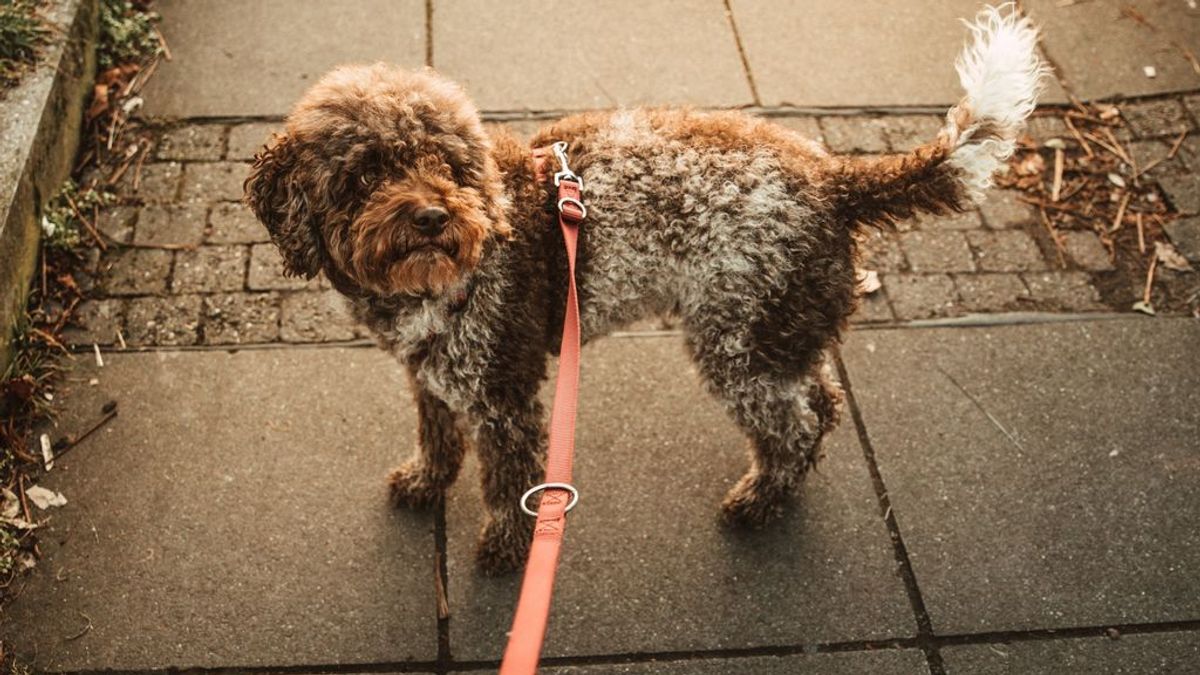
560, 152
550, 486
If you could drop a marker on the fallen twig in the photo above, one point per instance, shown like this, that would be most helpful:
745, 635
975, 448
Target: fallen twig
67, 443
1120, 219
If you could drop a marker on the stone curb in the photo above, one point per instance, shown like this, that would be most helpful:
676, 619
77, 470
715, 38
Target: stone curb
40, 124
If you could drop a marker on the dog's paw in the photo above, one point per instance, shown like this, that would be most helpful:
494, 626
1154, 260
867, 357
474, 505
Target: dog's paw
753, 502
411, 487
504, 546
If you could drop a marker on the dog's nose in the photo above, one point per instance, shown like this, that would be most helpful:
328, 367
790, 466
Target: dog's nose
431, 220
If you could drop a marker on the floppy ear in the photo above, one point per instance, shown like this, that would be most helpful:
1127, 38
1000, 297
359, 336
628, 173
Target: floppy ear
274, 190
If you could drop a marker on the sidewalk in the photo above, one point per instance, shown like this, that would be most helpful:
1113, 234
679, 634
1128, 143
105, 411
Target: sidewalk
1013, 498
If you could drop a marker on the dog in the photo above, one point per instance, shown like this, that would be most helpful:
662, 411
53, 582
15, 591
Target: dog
445, 244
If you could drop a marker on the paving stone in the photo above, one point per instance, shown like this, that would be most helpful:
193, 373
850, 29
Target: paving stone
233, 58
992, 292
905, 132
695, 62
234, 223
874, 308
241, 318
1087, 251
967, 220
233, 513
846, 134
1185, 235
136, 271
1192, 103
1102, 54
245, 140
316, 317
210, 268
1145, 153
1189, 153
117, 222
883, 662
1064, 291
937, 252
1006, 251
170, 321
171, 224
1163, 117
158, 182
882, 253
1183, 190
214, 181
819, 54
1042, 128
917, 296
192, 142
671, 577
95, 321
1154, 653
1068, 502
1003, 209
266, 272
809, 127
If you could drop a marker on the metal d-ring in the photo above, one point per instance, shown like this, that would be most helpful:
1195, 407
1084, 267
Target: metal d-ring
550, 486
576, 202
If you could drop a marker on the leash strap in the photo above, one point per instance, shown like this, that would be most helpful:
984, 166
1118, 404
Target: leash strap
558, 495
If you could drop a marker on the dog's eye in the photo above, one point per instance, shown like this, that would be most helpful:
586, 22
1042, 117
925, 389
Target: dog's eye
367, 179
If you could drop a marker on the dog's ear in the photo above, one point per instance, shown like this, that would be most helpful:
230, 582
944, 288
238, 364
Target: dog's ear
275, 192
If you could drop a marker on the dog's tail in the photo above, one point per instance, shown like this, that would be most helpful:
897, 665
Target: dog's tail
1002, 74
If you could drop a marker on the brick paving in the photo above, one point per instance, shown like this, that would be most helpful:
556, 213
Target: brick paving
991, 260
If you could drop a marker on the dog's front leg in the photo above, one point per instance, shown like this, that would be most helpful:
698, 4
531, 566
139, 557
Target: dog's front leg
422, 480
512, 450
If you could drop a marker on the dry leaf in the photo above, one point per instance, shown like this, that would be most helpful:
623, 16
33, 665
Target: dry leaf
868, 282
1116, 179
1033, 165
10, 506
1170, 258
47, 451
43, 498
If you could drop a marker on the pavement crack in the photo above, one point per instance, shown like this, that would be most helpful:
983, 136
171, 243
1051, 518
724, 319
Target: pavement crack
925, 640
1007, 434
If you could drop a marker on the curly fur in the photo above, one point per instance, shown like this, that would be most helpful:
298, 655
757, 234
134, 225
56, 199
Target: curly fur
743, 229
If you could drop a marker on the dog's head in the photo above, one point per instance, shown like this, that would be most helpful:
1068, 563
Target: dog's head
382, 177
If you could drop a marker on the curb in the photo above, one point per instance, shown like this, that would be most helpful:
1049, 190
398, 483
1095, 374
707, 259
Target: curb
40, 125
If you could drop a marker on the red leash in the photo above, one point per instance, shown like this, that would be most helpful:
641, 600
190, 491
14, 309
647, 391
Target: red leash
558, 495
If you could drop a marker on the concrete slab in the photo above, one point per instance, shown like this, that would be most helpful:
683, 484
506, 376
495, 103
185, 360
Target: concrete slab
867, 53
1103, 53
882, 662
614, 54
233, 514
648, 575
1162, 653
233, 58
886, 53
1060, 490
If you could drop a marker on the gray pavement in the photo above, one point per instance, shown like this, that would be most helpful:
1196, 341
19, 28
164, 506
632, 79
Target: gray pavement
1040, 477
1013, 499
237, 59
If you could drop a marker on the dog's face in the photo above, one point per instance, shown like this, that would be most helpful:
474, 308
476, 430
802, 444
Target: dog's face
384, 178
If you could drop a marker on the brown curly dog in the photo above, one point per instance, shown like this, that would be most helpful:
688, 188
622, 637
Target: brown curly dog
446, 246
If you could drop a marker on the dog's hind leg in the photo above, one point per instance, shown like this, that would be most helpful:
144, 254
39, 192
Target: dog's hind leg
422, 480
785, 413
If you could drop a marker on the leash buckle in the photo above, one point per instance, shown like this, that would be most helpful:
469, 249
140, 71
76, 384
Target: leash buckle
560, 153
550, 486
